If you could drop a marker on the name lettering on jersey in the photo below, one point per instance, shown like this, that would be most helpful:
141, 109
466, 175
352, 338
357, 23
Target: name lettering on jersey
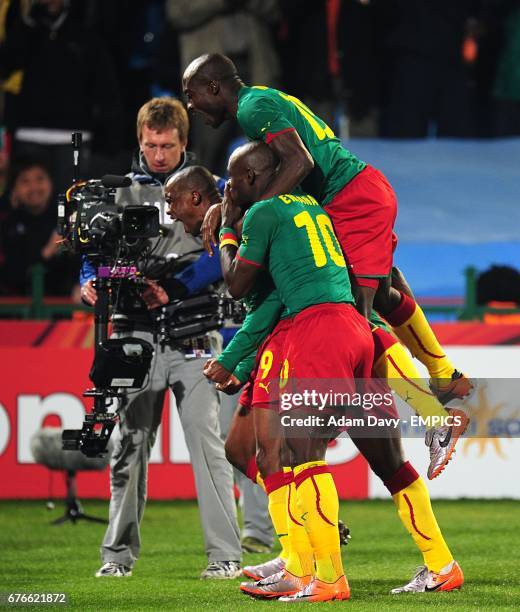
288, 198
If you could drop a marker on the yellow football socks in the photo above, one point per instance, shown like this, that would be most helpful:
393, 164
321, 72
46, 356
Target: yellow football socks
393, 362
412, 328
301, 556
318, 505
277, 488
412, 499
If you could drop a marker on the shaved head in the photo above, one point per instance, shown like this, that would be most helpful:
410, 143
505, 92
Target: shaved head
251, 168
194, 178
210, 67
211, 84
189, 193
255, 155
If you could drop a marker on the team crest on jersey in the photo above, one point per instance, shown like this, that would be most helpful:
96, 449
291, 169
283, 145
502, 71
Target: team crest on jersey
245, 238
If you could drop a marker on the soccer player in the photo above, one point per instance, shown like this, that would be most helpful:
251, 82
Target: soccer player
292, 237
188, 195
358, 198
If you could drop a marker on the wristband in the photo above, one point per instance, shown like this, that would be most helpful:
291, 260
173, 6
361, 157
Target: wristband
227, 235
226, 241
226, 230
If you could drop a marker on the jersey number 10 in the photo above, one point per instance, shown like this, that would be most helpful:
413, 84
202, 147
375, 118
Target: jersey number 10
326, 236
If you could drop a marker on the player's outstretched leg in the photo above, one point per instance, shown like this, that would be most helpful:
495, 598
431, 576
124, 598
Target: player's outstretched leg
393, 363
440, 572
412, 500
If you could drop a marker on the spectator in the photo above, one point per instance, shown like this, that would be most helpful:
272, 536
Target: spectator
28, 234
426, 82
68, 83
507, 84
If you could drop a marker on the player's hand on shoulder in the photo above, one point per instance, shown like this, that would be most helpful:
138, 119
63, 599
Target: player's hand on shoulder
211, 226
154, 295
216, 372
88, 293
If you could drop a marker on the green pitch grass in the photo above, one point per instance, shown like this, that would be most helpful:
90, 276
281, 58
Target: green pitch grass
38, 558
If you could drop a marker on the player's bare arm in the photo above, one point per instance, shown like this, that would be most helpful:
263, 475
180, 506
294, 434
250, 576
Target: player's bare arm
295, 163
211, 224
239, 275
210, 227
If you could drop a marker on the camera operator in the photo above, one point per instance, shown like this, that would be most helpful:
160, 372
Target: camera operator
189, 194
162, 131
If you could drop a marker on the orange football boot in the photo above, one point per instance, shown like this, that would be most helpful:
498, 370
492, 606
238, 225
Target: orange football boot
317, 590
426, 581
442, 440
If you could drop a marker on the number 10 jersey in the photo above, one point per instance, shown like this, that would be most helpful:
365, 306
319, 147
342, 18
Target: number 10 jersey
293, 238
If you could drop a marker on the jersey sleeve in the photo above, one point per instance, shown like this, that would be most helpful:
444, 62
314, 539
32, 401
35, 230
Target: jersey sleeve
202, 272
263, 119
258, 324
245, 367
259, 225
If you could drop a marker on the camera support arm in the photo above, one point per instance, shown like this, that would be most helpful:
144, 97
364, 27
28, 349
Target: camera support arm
101, 311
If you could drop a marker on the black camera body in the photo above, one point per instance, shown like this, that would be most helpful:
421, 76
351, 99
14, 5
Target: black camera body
94, 225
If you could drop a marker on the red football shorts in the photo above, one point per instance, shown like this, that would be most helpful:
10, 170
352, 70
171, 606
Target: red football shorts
329, 342
261, 390
330, 349
363, 214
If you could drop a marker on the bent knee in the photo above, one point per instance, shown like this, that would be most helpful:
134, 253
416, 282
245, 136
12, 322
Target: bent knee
268, 459
236, 457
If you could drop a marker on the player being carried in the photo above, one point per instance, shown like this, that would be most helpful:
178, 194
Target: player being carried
362, 206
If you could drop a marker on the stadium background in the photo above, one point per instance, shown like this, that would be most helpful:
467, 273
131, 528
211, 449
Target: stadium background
458, 208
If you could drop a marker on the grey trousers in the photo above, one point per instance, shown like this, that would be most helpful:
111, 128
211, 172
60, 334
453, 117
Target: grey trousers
198, 407
253, 500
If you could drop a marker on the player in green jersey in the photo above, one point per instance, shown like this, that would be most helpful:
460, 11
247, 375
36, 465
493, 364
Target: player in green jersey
358, 198
184, 194
292, 238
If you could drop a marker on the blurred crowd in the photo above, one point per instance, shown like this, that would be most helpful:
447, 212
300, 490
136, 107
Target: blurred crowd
371, 68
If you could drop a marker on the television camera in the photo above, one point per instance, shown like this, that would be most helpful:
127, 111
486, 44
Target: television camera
118, 243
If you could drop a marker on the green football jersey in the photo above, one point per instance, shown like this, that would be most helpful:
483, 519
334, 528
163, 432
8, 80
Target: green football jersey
293, 238
264, 310
264, 112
